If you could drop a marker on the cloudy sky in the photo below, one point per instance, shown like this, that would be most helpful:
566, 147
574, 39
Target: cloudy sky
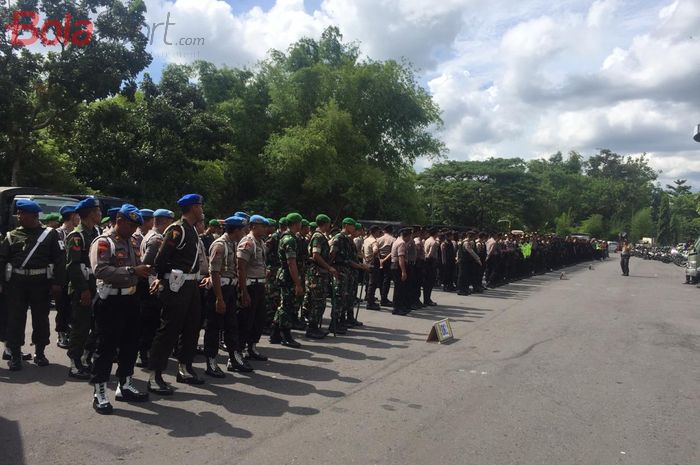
513, 78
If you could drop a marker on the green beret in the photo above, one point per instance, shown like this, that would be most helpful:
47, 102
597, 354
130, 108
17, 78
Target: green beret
323, 219
305, 222
294, 218
283, 221
272, 222
313, 225
349, 220
214, 223
358, 225
106, 220
52, 217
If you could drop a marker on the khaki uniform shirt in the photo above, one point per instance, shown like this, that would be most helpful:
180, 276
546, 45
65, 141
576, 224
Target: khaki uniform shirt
253, 252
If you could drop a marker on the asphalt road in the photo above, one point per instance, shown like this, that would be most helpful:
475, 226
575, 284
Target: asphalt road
594, 369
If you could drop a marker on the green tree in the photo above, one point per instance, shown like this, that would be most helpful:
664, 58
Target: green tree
664, 228
641, 225
44, 90
563, 224
595, 226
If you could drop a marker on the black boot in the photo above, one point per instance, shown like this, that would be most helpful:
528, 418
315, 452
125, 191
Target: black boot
157, 385
77, 370
275, 336
288, 339
253, 354
39, 358
187, 375
100, 402
127, 392
15, 363
142, 361
237, 363
213, 369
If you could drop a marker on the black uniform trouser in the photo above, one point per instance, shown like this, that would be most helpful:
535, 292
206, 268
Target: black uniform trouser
475, 276
401, 296
23, 293
3, 317
63, 312
375, 276
150, 318
625, 264
429, 273
251, 320
447, 276
418, 280
386, 273
463, 276
228, 323
117, 333
180, 324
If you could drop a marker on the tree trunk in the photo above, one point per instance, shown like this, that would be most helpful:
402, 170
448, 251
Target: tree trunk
15, 172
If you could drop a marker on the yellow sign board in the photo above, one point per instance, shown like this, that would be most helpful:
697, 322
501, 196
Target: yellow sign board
441, 332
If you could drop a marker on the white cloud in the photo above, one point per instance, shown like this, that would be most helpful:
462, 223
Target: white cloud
513, 78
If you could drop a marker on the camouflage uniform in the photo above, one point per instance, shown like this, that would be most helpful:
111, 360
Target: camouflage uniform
272, 290
284, 317
317, 281
343, 299
303, 265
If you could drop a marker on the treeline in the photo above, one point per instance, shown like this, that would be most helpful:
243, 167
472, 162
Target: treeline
313, 128
603, 195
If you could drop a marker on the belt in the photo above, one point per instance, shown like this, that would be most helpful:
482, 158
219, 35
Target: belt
186, 277
228, 281
30, 272
122, 291
251, 281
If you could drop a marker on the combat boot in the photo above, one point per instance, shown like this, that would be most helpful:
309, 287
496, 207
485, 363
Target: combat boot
288, 339
100, 402
40, 359
187, 375
127, 392
237, 363
77, 370
213, 369
253, 354
157, 385
276, 335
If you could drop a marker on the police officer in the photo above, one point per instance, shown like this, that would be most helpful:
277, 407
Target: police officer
148, 300
370, 255
318, 277
385, 242
117, 270
34, 268
63, 307
82, 287
222, 303
399, 266
251, 259
137, 238
431, 248
177, 265
289, 282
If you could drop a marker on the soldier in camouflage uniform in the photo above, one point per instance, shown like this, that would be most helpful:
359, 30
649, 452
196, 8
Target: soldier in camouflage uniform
303, 261
272, 291
344, 259
290, 284
317, 278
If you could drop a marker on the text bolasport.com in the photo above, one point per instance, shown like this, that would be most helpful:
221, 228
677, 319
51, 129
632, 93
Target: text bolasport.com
154, 29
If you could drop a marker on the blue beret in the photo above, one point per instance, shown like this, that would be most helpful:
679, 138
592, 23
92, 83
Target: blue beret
257, 219
190, 199
242, 215
66, 210
112, 212
235, 221
131, 213
146, 213
86, 203
28, 206
163, 213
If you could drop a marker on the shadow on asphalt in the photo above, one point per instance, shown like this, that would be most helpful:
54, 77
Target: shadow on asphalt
11, 451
